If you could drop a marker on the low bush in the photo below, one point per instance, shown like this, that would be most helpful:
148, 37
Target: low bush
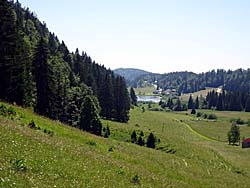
7, 111
136, 179
199, 114
237, 121
212, 116
18, 164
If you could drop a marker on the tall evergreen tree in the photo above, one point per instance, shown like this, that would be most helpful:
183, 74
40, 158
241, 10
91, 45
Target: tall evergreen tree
133, 96
170, 103
133, 137
106, 97
90, 120
42, 72
247, 108
8, 37
220, 105
151, 140
178, 106
197, 103
140, 141
234, 134
122, 104
190, 102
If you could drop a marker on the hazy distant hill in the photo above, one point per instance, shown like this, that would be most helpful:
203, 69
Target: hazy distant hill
130, 74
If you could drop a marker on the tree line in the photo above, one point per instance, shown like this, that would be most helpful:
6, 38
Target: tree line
37, 70
189, 82
225, 100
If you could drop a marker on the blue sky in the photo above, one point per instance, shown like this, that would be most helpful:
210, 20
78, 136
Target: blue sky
158, 36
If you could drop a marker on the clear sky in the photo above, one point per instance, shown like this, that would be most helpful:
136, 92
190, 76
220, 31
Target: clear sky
154, 35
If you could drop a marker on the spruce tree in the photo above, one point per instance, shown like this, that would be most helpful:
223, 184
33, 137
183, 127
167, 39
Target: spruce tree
170, 103
234, 134
190, 102
133, 137
178, 106
133, 96
247, 108
197, 103
90, 120
220, 105
140, 141
8, 39
193, 111
42, 71
106, 132
151, 140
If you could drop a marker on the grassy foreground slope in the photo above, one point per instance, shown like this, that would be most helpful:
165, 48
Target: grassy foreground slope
72, 158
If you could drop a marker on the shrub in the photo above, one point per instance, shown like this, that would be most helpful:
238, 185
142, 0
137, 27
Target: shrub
3, 110
6, 112
11, 111
211, 116
18, 164
32, 125
92, 143
136, 179
248, 123
239, 121
51, 133
199, 114
193, 111
205, 116
111, 149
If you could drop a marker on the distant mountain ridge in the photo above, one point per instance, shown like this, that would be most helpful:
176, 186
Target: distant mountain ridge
130, 74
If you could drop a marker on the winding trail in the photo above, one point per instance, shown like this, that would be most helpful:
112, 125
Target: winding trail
197, 133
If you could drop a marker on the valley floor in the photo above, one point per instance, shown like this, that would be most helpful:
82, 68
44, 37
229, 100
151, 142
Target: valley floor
191, 153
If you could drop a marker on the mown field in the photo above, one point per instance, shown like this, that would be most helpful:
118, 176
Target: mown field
189, 153
145, 90
203, 93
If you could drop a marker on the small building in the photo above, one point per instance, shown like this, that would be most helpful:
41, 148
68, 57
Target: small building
246, 143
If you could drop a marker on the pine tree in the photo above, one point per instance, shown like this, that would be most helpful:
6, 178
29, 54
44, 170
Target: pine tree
133, 96
133, 137
220, 105
106, 97
42, 71
106, 132
193, 111
140, 141
90, 120
8, 38
234, 134
190, 102
197, 103
121, 103
247, 108
170, 103
142, 134
178, 106
151, 140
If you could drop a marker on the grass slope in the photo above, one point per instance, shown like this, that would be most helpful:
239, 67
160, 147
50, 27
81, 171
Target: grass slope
202, 93
148, 90
72, 158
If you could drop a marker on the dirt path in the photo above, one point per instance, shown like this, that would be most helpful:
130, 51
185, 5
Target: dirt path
197, 133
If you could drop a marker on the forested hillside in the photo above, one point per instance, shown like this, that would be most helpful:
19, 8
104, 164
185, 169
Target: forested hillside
188, 82
37, 70
130, 74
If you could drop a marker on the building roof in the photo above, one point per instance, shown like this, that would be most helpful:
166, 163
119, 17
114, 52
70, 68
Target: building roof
246, 140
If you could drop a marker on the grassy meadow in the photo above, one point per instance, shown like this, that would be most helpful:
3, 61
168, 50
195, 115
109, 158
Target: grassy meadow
203, 93
148, 90
191, 153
